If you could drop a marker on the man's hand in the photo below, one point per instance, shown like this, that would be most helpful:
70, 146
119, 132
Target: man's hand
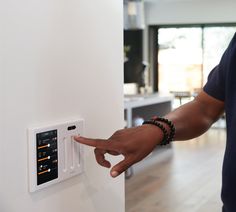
133, 143
190, 120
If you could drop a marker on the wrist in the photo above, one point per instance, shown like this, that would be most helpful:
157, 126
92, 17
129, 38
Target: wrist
153, 133
166, 126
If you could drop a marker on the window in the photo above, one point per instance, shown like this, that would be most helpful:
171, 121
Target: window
185, 55
179, 59
215, 41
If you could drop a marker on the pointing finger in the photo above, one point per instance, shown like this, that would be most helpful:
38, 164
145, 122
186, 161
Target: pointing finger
98, 143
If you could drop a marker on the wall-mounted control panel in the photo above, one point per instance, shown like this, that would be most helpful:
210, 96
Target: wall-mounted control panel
53, 155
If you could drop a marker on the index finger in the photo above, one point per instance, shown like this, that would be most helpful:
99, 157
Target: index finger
98, 143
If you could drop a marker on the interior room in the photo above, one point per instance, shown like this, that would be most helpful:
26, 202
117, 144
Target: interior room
170, 47
88, 90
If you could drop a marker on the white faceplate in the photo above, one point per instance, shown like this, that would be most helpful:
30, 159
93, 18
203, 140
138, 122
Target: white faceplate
69, 153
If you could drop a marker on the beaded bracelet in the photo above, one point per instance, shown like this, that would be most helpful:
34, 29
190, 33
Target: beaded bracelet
163, 129
167, 137
169, 123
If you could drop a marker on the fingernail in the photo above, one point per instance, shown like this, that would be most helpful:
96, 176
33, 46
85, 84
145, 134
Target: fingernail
114, 173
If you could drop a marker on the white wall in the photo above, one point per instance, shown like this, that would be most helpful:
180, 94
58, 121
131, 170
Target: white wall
59, 59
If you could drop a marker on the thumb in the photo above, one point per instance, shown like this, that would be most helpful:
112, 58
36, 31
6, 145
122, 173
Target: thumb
121, 167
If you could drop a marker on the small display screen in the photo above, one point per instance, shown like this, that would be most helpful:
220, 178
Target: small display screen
47, 156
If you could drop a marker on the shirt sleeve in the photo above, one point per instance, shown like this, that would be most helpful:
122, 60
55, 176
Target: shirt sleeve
215, 85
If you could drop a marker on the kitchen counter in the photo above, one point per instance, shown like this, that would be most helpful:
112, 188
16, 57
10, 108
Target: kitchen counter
145, 106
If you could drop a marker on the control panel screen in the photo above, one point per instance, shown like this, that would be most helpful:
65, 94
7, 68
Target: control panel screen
47, 156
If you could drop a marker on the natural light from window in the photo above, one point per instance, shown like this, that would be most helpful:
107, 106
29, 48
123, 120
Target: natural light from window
186, 55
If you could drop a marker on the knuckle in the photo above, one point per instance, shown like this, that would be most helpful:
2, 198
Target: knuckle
118, 132
137, 159
96, 142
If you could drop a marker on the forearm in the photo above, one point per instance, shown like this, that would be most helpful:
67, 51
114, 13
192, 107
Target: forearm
195, 117
189, 121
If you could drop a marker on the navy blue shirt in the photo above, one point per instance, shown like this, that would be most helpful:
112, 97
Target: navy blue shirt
221, 85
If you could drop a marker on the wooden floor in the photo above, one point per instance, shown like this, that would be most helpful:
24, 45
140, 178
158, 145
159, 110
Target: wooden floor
183, 178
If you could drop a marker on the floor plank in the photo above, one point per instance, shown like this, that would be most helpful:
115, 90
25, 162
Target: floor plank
183, 178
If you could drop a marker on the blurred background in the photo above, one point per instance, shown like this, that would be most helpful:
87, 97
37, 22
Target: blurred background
170, 47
